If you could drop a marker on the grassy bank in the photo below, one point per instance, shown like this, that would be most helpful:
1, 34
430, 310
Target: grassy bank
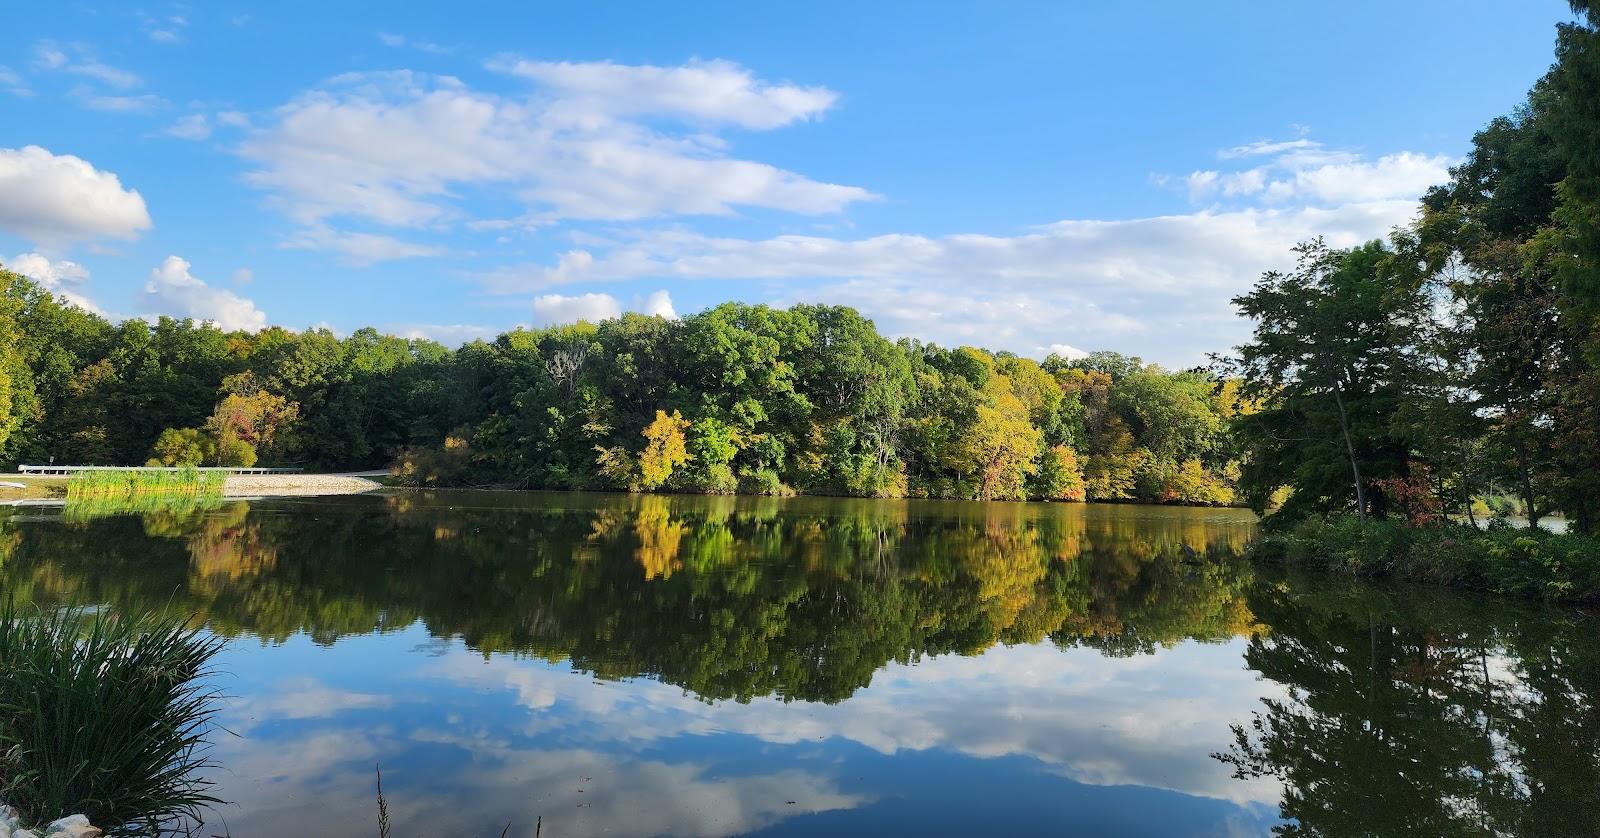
189, 482
104, 715
33, 486
1500, 558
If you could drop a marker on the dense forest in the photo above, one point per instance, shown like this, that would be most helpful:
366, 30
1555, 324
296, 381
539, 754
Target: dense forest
1402, 378
737, 398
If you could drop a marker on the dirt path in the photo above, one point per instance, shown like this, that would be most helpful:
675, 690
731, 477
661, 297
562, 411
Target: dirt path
285, 485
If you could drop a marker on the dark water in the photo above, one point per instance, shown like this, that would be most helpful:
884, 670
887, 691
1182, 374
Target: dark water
709, 666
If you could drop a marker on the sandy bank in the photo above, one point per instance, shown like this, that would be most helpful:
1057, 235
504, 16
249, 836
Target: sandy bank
280, 485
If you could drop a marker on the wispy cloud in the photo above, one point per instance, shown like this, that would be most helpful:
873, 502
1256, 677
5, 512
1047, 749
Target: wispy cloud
586, 142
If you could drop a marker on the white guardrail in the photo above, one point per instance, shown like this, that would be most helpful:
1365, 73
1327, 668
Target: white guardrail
54, 469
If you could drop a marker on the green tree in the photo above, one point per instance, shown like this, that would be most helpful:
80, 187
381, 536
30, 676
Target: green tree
183, 447
1329, 367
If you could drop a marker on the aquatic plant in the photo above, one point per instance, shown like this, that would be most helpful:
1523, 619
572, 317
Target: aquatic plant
105, 714
190, 482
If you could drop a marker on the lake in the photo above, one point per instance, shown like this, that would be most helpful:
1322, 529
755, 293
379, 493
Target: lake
647, 665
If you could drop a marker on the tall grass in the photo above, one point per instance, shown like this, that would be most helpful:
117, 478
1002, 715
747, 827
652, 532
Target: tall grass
104, 715
186, 482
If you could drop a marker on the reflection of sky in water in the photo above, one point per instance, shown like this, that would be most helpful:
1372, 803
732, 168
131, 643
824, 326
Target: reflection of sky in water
1020, 739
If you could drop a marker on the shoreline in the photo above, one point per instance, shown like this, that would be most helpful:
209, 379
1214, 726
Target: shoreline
54, 489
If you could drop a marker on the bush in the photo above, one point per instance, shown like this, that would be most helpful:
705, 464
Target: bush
182, 447
763, 481
1500, 558
104, 715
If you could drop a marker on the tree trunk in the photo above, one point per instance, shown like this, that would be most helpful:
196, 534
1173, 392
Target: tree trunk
1350, 449
1466, 486
1532, 510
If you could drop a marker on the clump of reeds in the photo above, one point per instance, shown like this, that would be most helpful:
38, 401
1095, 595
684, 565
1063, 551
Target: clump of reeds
185, 482
105, 715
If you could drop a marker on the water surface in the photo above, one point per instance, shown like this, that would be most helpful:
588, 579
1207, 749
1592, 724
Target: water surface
644, 665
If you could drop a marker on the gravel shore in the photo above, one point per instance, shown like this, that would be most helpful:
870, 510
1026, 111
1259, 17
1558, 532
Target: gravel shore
274, 485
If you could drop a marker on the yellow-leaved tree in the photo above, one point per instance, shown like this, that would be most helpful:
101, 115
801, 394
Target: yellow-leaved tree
666, 448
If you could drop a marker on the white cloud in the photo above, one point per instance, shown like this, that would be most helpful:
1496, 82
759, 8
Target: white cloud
1158, 286
360, 249
658, 304
195, 126
555, 309
1306, 171
174, 291
389, 39
713, 91
448, 334
61, 277
401, 149
51, 274
1071, 353
140, 103
244, 276
12, 83
55, 198
49, 56
233, 119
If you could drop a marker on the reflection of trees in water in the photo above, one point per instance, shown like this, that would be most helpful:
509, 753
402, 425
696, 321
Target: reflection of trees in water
729, 598
1417, 715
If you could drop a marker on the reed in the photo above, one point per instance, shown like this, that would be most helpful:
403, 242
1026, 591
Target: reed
107, 715
186, 482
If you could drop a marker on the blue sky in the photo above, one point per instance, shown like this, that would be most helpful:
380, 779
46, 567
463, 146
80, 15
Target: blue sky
1021, 176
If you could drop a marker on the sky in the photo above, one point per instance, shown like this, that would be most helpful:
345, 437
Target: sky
1026, 176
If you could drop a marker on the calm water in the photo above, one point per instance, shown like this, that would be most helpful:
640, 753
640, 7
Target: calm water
711, 666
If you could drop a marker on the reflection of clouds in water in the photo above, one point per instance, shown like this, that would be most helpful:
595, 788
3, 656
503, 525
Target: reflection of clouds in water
299, 698
624, 796
322, 782
277, 786
1151, 720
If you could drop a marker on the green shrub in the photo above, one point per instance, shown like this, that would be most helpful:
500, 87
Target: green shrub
105, 715
1499, 558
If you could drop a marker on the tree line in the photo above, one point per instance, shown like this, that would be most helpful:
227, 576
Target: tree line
1458, 358
738, 398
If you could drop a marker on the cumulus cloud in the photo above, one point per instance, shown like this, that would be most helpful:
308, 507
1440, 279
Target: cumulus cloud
400, 149
657, 304
174, 291
1071, 353
61, 277
554, 309
51, 198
